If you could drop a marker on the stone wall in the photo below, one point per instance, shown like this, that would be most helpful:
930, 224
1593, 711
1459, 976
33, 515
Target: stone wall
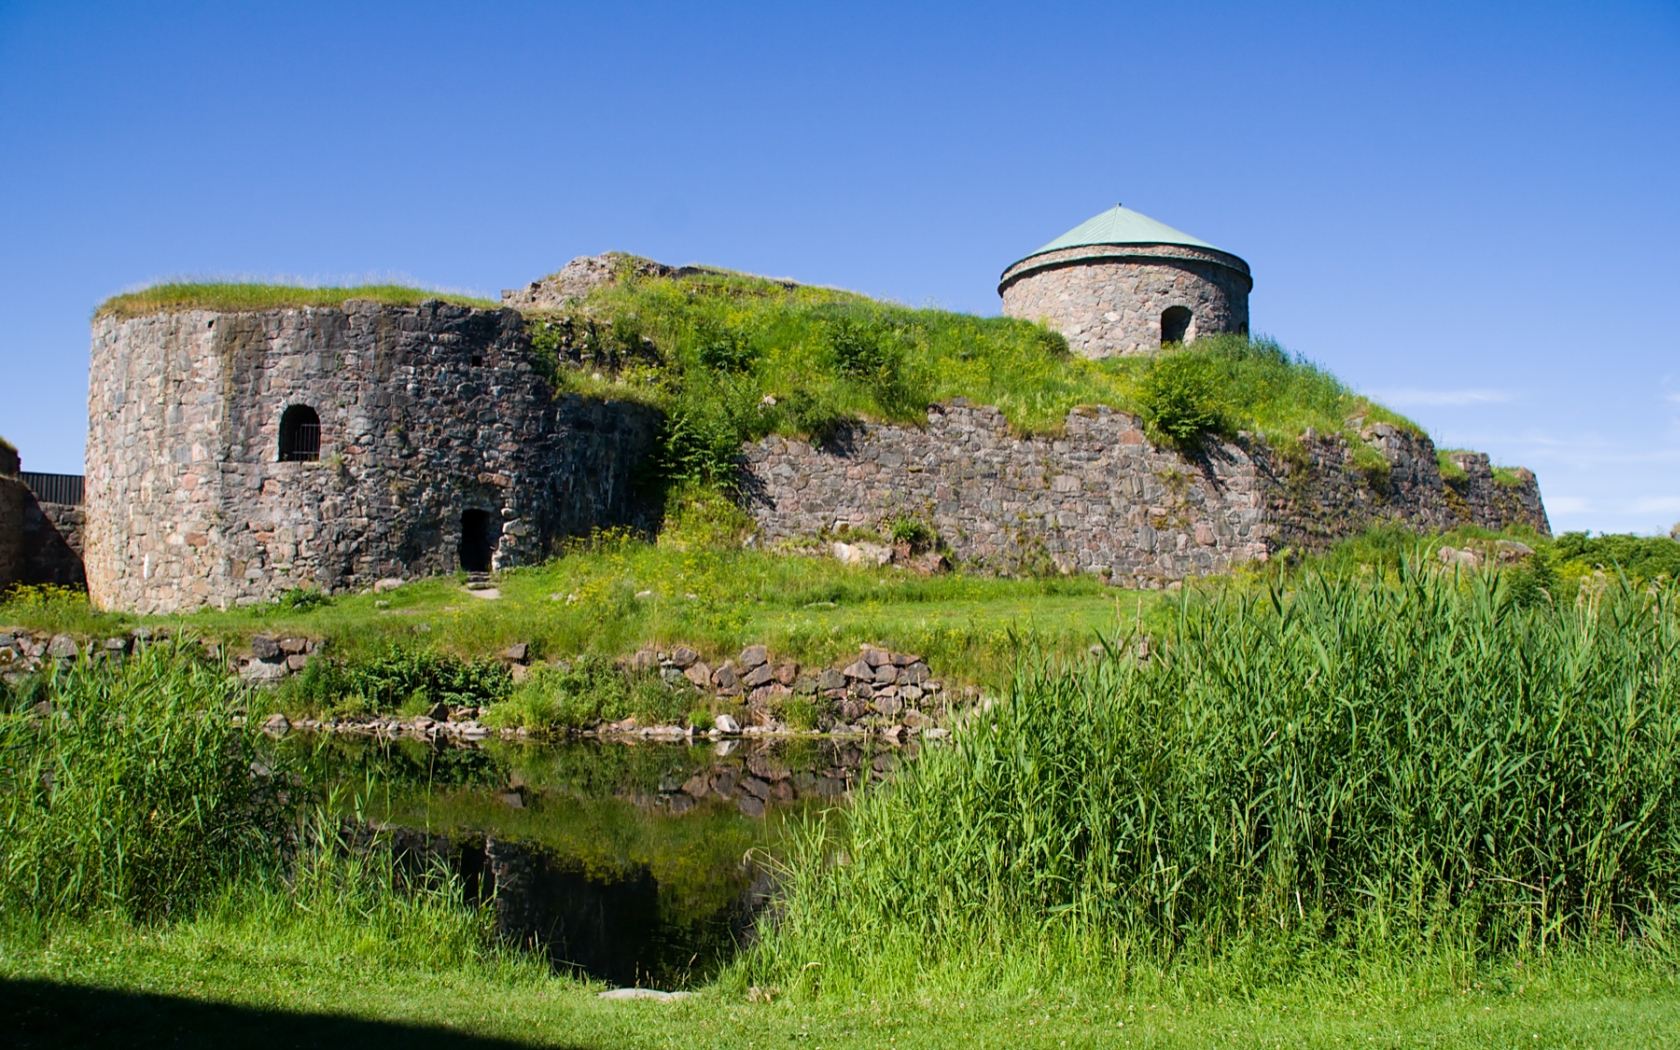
14, 496
53, 536
426, 413
39, 542
1100, 498
1481, 499
1109, 300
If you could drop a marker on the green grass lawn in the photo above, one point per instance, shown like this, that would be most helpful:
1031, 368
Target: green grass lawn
812, 609
212, 982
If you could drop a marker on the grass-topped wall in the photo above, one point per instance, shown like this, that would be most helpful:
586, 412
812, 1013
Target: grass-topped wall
732, 358
233, 297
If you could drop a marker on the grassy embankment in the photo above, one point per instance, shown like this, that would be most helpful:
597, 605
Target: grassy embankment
815, 610
1410, 812
732, 357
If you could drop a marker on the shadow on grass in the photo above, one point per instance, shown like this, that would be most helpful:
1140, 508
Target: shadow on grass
45, 1014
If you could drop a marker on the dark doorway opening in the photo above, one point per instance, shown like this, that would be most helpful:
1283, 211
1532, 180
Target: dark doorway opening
300, 434
477, 540
1175, 323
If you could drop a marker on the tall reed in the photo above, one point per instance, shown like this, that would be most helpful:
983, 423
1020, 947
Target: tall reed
1411, 761
137, 793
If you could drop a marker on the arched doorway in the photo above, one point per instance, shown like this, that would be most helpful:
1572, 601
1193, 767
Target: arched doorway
1175, 324
478, 540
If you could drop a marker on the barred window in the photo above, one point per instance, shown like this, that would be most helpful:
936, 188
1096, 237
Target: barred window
300, 434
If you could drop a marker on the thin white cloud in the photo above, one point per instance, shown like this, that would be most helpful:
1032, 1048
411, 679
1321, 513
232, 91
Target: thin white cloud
1653, 504
1420, 397
1568, 504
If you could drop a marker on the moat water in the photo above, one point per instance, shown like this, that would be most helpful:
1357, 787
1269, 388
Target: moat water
643, 863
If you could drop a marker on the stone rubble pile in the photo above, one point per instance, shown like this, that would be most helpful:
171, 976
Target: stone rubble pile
880, 690
275, 659
25, 652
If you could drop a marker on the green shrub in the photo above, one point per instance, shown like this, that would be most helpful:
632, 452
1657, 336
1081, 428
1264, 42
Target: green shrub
302, 599
705, 427
398, 678
798, 712
1182, 400
138, 794
1640, 557
698, 517
585, 693
917, 533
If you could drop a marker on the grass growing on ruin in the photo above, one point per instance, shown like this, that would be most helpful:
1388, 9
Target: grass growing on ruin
237, 297
732, 357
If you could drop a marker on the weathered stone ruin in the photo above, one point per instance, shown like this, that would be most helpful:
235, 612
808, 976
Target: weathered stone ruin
1101, 498
40, 525
235, 456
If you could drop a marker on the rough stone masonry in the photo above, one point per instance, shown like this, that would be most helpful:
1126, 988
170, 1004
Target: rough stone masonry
436, 435
435, 443
1101, 498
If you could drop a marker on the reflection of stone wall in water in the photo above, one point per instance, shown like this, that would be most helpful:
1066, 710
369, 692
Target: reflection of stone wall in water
655, 899
204, 489
602, 924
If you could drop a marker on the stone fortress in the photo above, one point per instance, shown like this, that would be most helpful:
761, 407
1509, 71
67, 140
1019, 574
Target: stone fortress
235, 456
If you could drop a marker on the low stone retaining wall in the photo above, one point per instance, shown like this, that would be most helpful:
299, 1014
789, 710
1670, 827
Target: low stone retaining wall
1102, 498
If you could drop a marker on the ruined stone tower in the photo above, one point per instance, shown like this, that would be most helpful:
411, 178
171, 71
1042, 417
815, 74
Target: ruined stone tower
1122, 283
233, 456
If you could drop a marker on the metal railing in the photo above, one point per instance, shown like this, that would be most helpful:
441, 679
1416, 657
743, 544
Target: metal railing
53, 488
300, 442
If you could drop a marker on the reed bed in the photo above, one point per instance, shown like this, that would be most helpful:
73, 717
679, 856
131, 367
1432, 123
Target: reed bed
131, 789
1422, 762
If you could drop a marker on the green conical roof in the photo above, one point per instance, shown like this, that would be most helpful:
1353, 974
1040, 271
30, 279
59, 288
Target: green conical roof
1119, 225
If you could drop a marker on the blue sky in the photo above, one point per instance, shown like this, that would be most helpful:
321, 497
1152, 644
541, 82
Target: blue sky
1469, 211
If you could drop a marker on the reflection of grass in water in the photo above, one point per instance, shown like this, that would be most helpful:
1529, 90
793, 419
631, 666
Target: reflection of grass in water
580, 803
696, 857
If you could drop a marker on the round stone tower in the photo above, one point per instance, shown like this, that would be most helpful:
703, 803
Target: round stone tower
233, 456
1122, 283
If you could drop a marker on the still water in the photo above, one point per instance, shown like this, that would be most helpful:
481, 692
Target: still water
637, 863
